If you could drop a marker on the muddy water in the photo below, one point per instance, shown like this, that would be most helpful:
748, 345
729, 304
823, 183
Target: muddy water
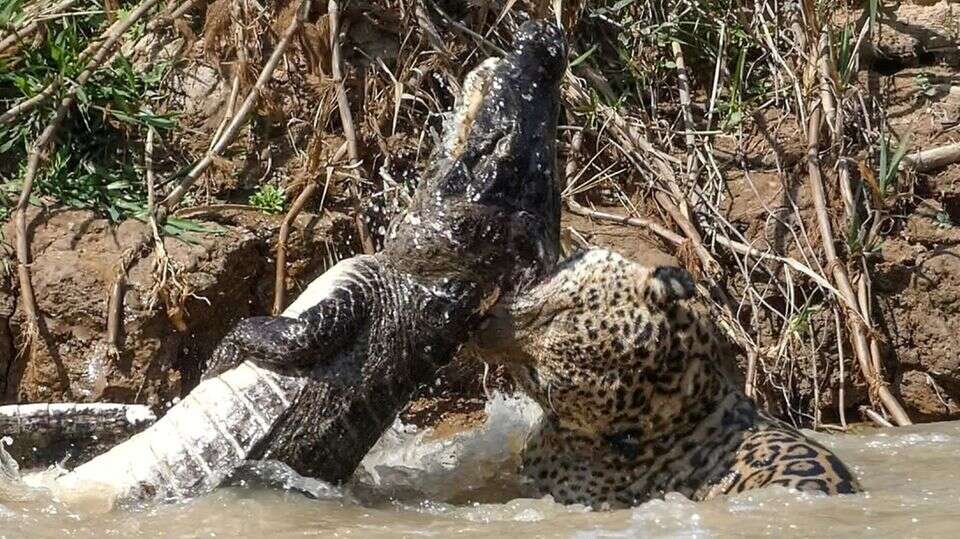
466, 487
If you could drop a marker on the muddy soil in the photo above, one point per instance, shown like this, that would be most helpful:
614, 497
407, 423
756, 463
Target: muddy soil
227, 275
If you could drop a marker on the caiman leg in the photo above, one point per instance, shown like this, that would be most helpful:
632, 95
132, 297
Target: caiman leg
306, 336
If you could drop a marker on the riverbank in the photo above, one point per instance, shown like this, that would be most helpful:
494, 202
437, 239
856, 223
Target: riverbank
695, 124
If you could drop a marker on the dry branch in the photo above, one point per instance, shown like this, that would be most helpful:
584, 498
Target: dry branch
346, 120
931, 159
634, 143
707, 261
240, 118
652, 226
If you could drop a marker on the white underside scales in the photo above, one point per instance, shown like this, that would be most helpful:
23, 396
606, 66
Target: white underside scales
192, 448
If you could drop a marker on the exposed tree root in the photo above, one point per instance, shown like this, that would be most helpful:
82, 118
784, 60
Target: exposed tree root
280, 286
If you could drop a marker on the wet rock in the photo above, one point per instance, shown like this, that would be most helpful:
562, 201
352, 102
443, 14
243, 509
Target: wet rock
225, 275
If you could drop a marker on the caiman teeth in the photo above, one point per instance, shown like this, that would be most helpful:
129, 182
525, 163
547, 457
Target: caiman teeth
475, 87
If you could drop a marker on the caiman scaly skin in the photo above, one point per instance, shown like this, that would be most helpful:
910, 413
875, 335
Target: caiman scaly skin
43, 433
198, 442
486, 216
317, 386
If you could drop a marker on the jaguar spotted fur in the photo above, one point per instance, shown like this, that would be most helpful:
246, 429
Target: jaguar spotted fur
640, 391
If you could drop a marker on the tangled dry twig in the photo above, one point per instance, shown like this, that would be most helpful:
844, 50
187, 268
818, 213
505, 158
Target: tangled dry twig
240, 117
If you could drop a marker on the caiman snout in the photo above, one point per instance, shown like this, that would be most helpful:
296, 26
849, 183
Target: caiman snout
490, 208
509, 128
541, 46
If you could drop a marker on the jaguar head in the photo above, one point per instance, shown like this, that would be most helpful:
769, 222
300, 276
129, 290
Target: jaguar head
603, 340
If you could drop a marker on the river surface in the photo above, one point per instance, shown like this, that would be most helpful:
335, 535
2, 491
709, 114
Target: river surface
424, 485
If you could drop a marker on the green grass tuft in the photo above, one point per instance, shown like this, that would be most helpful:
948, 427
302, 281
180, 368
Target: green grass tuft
96, 159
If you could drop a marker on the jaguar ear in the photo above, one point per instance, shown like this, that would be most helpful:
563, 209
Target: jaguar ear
667, 284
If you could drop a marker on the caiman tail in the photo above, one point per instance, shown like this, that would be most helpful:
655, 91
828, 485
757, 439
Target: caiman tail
43, 433
189, 451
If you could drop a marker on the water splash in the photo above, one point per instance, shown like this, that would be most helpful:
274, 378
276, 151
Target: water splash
445, 468
93, 379
12, 486
278, 475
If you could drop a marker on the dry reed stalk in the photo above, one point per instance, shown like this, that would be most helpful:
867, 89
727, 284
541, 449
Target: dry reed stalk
463, 29
429, 29
228, 111
683, 87
841, 388
865, 338
875, 417
17, 35
115, 310
708, 263
840, 277
573, 156
170, 14
749, 387
632, 141
30, 103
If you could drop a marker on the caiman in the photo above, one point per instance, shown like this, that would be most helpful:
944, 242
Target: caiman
317, 386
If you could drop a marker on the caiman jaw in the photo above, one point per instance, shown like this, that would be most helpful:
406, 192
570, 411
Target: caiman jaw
475, 86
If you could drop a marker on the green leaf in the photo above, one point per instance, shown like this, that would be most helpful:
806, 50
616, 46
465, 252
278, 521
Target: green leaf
898, 156
580, 59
